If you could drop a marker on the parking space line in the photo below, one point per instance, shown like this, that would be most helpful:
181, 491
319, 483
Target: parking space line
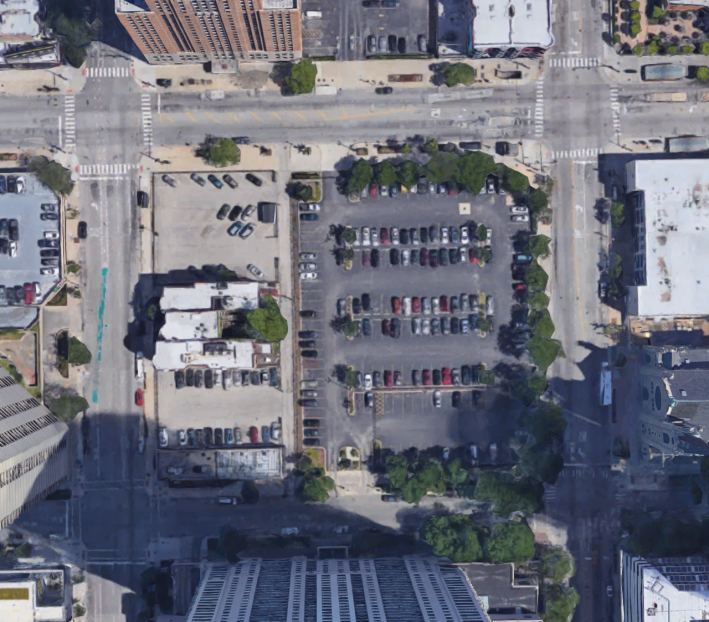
167, 116
255, 116
299, 115
190, 117
209, 115
233, 116
275, 114
371, 114
324, 116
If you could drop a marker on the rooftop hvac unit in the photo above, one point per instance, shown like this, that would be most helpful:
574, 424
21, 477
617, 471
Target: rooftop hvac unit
652, 611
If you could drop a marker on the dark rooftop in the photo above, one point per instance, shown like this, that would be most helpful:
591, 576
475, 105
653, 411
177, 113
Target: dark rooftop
496, 583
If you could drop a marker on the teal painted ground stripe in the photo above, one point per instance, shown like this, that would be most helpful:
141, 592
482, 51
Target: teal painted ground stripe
99, 334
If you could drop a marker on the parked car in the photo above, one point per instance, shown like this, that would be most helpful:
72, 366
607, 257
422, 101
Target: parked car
253, 179
520, 218
82, 230
246, 231
437, 401
401, 45
198, 180
235, 228
230, 181
309, 216
423, 44
169, 181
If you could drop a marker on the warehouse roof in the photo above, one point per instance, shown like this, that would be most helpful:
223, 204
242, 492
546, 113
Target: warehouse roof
512, 23
227, 296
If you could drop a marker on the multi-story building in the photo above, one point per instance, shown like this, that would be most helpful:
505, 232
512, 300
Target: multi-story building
198, 31
34, 453
408, 589
663, 590
29, 594
674, 410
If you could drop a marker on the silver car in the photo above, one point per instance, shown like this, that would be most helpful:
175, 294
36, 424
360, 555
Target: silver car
383, 43
405, 257
255, 271
436, 305
489, 306
426, 305
307, 267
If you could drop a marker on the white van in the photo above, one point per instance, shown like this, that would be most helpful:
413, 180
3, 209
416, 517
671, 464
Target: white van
226, 501
314, 14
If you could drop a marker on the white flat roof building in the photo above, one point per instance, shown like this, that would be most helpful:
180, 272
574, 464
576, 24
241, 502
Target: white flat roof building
176, 355
512, 24
203, 296
668, 201
186, 325
18, 19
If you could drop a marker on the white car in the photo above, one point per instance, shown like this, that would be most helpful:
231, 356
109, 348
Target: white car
37, 290
519, 209
48, 271
375, 236
308, 276
227, 379
489, 234
464, 235
13, 250
437, 399
405, 257
182, 437
307, 267
20, 185
308, 256
255, 271
436, 305
309, 207
444, 235
162, 437
446, 453
407, 305
520, 218
342, 529
366, 240
367, 382
217, 377
51, 235
462, 254
394, 235
289, 531
426, 305
426, 326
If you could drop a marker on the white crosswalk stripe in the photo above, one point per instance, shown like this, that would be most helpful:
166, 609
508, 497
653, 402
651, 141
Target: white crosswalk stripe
549, 494
575, 62
615, 108
69, 123
147, 115
108, 72
106, 171
539, 109
575, 154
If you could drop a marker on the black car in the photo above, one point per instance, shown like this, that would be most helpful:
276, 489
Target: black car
273, 376
384, 90
234, 213
230, 181
245, 378
395, 328
433, 233
401, 46
415, 256
15, 227
218, 437
356, 306
423, 234
143, 199
49, 216
453, 256
241, 140
436, 377
198, 379
368, 4
309, 216
306, 344
455, 399
3, 186
374, 259
49, 252
208, 436
473, 146
455, 326
253, 179
45, 262
11, 183
308, 334
366, 302
466, 375
309, 403
223, 212
4, 227
309, 354
308, 314
208, 379
179, 379
189, 377
311, 442
377, 379
394, 257
255, 378
404, 236
82, 230
433, 258
10, 293
366, 327
392, 43
443, 256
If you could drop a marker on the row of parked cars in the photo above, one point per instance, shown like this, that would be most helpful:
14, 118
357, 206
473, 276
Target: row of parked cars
405, 236
220, 437
26, 294
12, 183
492, 186
408, 305
432, 258
226, 378
393, 44
464, 376
425, 326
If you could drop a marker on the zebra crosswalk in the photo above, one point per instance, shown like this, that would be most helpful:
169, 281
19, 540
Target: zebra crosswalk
69, 123
575, 62
575, 154
147, 115
105, 171
539, 109
615, 108
108, 72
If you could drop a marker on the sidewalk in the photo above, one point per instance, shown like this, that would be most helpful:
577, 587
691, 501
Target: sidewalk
28, 82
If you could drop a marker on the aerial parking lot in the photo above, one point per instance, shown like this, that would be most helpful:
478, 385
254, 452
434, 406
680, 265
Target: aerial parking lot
422, 321
193, 220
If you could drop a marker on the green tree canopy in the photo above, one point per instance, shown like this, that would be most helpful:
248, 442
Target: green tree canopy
560, 603
428, 477
546, 424
665, 536
385, 172
540, 323
52, 174
557, 564
303, 192
454, 536
481, 233
359, 176
430, 146
538, 300
537, 200
304, 464
512, 180
397, 469
538, 245
511, 542
408, 173
703, 74
544, 351
268, 321
224, 153
472, 169
79, 354
460, 73
68, 406
316, 489
455, 474
509, 494
541, 465
536, 277
302, 78
441, 167
67, 20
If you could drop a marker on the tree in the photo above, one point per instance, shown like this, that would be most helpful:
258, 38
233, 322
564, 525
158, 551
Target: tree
541, 465
359, 176
538, 300
472, 169
618, 209
635, 17
705, 48
455, 537
454, 474
546, 424
386, 174
537, 383
430, 146
68, 406
303, 192
349, 235
511, 542
560, 603
428, 477
508, 494
79, 354
670, 49
67, 20
512, 180
537, 201
249, 492
52, 174
652, 49
544, 351
408, 173
441, 167
634, 5
230, 543
481, 233
302, 78
540, 323
687, 49
268, 321
397, 469
557, 564
316, 489
536, 277
222, 152
405, 149
538, 246
303, 465
665, 536
703, 74
460, 73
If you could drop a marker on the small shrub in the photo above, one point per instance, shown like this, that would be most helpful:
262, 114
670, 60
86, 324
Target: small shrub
639, 50
658, 12
635, 29
671, 50
652, 49
703, 74
635, 17
616, 37
705, 48
687, 49
635, 5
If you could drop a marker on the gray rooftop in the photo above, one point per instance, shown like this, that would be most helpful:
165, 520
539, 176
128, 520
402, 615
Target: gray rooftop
496, 584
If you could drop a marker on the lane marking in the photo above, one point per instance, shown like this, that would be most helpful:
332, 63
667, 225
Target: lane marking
300, 115
209, 114
99, 334
255, 116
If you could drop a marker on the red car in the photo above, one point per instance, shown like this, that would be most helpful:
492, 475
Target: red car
395, 305
423, 257
388, 378
139, 401
253, 434
452, 191
373, 190
520, 287
444, 304
427, 377
385, 328
365, 259
472, 255
29, 293
384, 236
416, 304
447, 378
